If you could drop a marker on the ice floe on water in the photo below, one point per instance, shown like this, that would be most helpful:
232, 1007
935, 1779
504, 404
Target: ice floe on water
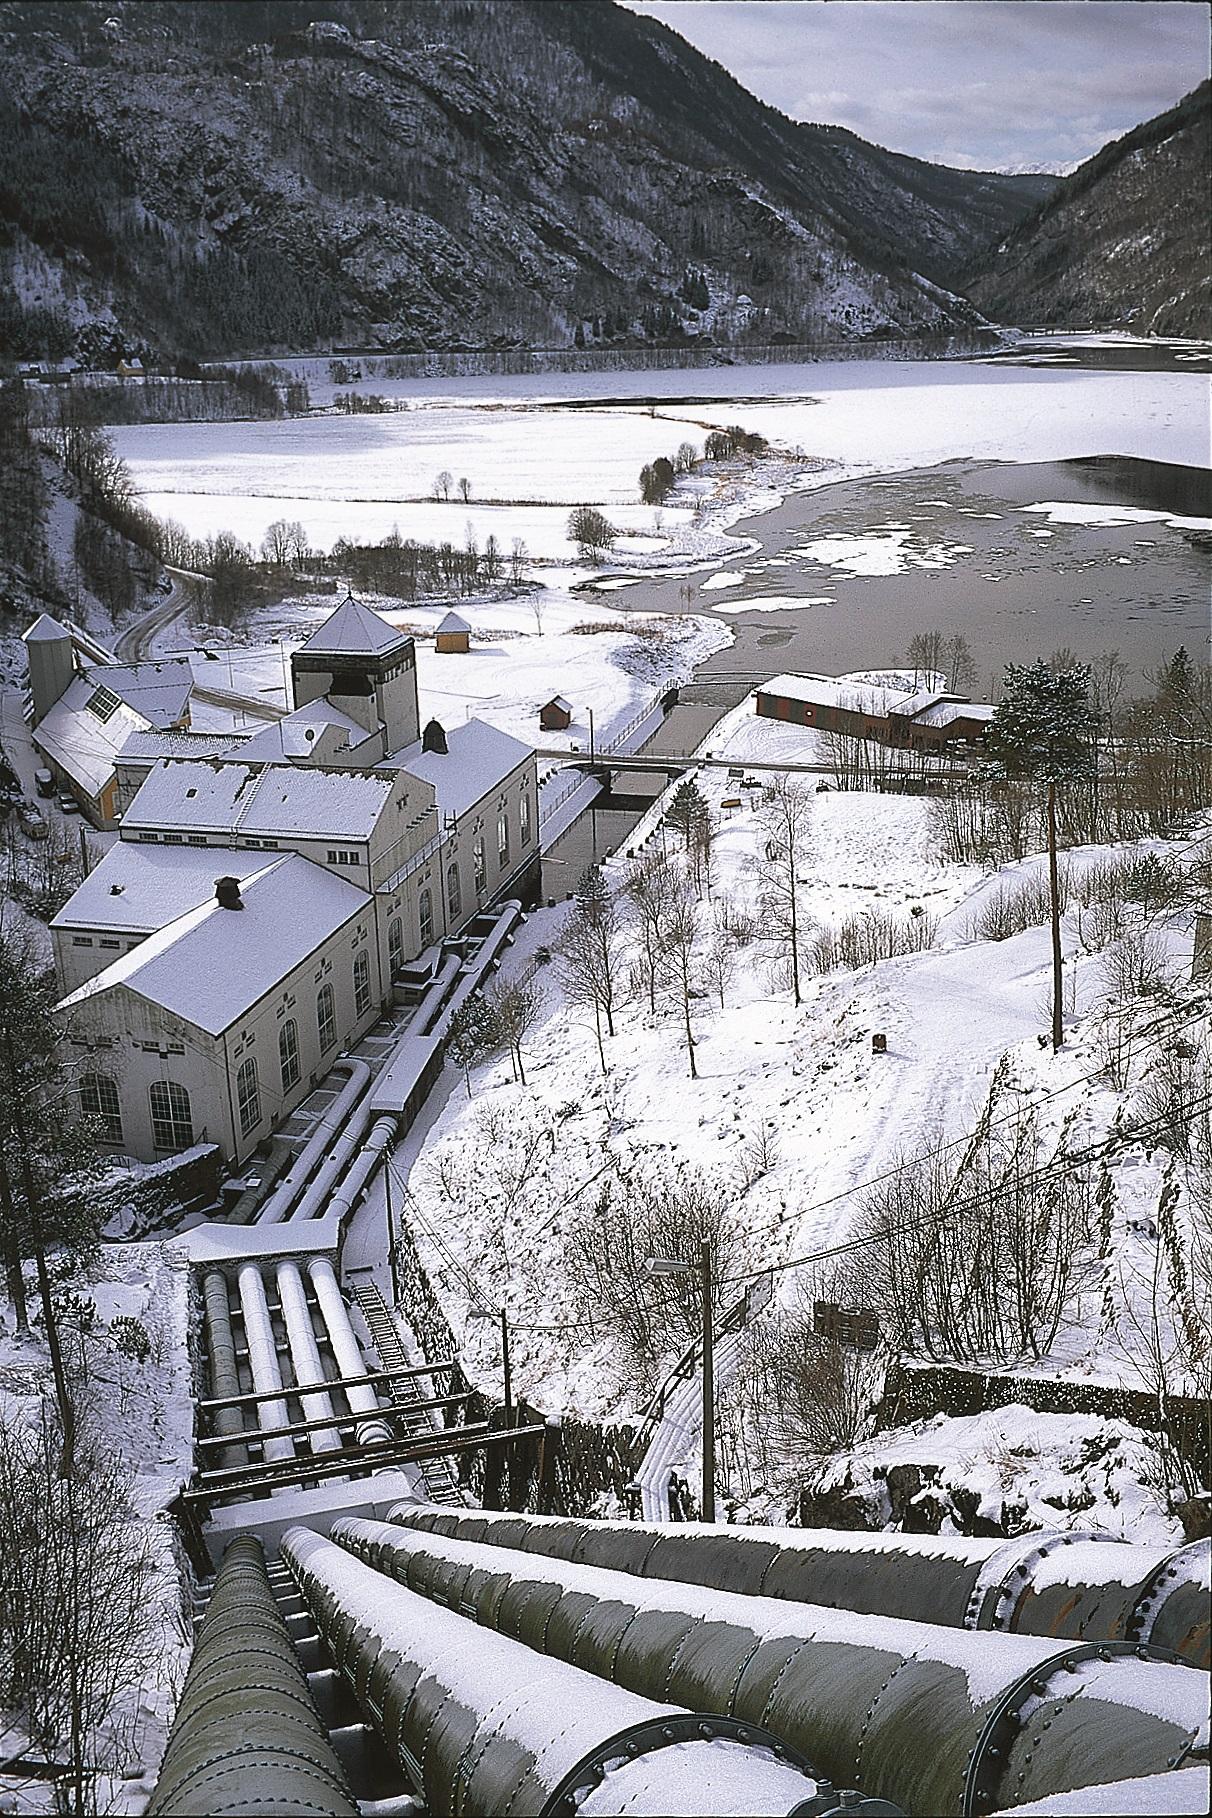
726, 577
891, 549
775, 602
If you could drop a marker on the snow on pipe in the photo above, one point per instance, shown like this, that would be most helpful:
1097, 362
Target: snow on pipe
246, 1738
305, 1356
1074, 1586
380, 1139
224, 1371
348, 1352
939, 1720
263, 1362
483, 1724
284, 1195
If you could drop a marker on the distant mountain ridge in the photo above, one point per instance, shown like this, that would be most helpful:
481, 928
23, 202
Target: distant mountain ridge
191, 179
1125, 239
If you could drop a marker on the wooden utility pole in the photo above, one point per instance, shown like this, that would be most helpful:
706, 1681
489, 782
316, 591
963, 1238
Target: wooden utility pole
506, 1374
1058, 1033
708, 1499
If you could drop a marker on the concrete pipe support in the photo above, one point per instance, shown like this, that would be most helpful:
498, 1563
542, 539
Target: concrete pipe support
305, 1356
224, 1371
482, 1725
246, 1739
1076, 1586
263, 1362
346, 1349
938, 1720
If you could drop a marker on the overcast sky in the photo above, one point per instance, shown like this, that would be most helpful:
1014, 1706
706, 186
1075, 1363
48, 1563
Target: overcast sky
985, 84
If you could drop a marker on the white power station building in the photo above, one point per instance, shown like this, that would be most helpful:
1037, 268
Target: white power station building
267, 891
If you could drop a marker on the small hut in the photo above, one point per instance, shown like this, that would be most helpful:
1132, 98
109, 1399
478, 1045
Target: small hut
555, 715
453, 636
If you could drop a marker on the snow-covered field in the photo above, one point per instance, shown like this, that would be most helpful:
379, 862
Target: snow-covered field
505, 1177
515, 439
523, 651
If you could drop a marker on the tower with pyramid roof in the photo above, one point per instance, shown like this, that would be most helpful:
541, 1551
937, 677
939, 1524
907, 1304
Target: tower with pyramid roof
52, 663
364, 666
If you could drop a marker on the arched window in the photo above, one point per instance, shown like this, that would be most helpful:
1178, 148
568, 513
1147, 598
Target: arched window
99, 1100
288, 1053
248, 1096
425, 913
326, 1018
454, 892
172, 1119
502, 838
526, 821
395, 944
361, 983
480, 865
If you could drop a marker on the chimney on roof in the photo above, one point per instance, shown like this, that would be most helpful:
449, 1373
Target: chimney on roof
434, 737
227, 893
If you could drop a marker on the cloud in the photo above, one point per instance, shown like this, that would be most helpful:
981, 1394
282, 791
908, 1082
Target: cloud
985, 84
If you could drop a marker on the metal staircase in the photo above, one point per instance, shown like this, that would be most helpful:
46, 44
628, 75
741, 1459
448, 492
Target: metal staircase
436, 1473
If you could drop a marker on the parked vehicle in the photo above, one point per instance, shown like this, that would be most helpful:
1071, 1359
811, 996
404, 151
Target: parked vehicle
44, 782
33, 821
69, 804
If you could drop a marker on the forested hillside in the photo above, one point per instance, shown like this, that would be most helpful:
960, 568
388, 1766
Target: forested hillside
182, 179
1125, 239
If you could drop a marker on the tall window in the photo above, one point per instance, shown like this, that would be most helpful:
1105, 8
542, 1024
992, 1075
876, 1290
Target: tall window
326, 1018
479, 865
248, 1096
526, 811
395, 944
288, 1053
99, 1099
361, 982
454, 892
425, 912
172, 1120
502, 838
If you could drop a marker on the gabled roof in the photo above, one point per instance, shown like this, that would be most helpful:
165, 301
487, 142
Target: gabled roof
557, 700
295, 736
231, 798
452, 622
211, 965
139, 888
354, 630
84, 740
45, 630
477, 760
160, 691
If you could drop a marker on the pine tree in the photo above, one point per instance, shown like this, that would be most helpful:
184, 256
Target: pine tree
1043, 731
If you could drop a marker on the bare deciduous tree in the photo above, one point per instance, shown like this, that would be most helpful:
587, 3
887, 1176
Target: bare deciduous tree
588, 953
678, 967
650, 889
782, 822
516, 1005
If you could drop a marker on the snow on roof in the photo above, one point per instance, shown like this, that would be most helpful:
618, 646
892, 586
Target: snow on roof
234, 797
140, 888
942, 713
834, 691
354, 630
147, 747
478, 759
84, 739
45, 630
211, 965
295, 736
557, 700
452, 622
922, 697
159, 691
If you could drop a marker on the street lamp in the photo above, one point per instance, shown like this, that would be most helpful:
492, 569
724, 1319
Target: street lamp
506, 1373
669, 1265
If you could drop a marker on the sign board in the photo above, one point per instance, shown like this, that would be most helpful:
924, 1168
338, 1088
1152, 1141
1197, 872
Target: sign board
853, 1326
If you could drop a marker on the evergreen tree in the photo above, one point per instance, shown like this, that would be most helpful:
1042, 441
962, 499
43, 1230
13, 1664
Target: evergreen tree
47, 1152
1043, 731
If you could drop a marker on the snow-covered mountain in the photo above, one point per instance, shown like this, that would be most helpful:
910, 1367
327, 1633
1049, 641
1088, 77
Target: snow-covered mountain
191, 179
1124, 239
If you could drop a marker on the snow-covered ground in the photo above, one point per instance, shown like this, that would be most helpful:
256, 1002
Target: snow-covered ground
504, 1177
516, 439
138, 1414
523, 651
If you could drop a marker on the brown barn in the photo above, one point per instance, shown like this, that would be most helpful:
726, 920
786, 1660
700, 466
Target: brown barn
453, 636
555, 715
928, 720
